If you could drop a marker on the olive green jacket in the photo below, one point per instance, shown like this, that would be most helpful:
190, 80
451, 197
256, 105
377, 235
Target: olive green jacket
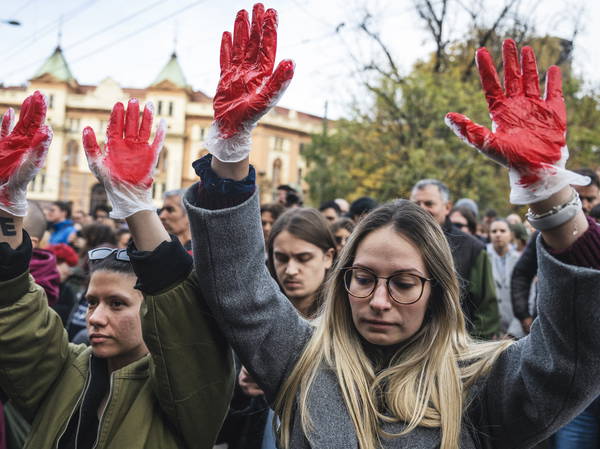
175, 397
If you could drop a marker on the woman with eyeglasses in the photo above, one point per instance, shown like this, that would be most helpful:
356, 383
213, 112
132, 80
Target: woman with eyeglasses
150, 378
390, 363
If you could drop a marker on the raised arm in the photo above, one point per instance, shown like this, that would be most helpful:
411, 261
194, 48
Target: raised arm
33, 341
193, 367
544, 379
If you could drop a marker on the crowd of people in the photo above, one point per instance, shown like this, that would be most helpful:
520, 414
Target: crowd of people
217, 321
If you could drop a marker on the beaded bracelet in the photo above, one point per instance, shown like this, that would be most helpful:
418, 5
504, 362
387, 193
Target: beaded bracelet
555, 216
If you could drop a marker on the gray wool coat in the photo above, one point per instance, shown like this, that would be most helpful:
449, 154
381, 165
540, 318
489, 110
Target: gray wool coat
536, 385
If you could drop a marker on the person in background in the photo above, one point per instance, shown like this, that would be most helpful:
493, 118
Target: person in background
589, 194
72, 286
282, 192
341, 230
361, 207
269, 213
330, 210
42, 264
478, 292
469, 204
58, 215
595, 213
81, 218
504, 257
514, 219
174, 217
520, 236
123, 238
463, 218
343, 205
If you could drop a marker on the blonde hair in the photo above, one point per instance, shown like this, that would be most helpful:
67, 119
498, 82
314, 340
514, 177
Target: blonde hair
426, 380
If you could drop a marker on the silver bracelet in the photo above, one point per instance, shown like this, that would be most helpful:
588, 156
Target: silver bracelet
555, 216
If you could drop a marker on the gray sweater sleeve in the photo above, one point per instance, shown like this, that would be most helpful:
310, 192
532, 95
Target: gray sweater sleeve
259, 322
545, 379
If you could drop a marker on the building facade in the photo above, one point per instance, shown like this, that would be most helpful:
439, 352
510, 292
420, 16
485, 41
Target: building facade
276, 145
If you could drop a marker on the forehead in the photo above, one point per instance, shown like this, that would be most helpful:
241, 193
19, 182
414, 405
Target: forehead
499, 225
174, 201
108, 283
590, 190
285, 242
386, 251
428, 193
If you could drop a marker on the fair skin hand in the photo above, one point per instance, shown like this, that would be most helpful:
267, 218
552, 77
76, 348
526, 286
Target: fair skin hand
247, 384
300, 267
378, 318
113, 318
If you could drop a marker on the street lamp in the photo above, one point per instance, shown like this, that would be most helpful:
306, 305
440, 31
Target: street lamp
12, 22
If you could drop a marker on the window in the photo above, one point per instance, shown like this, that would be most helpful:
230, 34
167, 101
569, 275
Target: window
276, 173
159, 111
278, 144
202, 131
299, 182
71, 154
74, 124
161, 166
50, 101
98, 196
170, 108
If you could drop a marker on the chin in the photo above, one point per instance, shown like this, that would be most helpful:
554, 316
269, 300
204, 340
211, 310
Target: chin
382, 339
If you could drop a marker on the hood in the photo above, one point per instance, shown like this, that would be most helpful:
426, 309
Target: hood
43, 269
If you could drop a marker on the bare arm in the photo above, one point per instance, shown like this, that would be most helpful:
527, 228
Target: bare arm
147, 230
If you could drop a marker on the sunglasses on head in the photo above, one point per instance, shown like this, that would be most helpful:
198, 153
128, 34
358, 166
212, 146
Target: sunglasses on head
103, 253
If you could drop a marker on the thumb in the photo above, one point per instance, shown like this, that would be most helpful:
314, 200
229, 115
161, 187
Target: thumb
7, 122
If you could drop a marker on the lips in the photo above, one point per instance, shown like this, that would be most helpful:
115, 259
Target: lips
379, 323
292, 284
98, 338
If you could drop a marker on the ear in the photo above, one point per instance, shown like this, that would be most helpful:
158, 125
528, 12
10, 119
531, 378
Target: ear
328, 256
35, 242
448, 207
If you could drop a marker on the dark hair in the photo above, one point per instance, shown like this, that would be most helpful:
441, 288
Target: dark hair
111, 263
595, 212
342, 223
293, 199
286, 187
100, 207
466, 212
275, 209
307, 224
362, 206
65, 206
330, 205
97, 234
591, 173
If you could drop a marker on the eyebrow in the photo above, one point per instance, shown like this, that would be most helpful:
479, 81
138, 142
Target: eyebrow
402, 270
305, 253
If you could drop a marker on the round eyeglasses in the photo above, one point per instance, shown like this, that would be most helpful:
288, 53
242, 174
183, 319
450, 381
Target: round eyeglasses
403, 288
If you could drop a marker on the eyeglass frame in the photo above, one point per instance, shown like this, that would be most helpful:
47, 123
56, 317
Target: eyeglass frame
121, 254
423, 279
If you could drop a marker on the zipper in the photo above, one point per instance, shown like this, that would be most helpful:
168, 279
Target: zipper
87, 385
110, 391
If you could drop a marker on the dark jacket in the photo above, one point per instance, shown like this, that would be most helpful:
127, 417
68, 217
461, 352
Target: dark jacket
525, 270
477, 289
535, 386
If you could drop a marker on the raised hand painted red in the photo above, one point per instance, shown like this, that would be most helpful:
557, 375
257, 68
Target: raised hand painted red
22, 151
248, 87
128, 157
529, 132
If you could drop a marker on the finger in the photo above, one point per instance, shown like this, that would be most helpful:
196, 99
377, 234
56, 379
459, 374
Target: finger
278, 82
531, 81
159, 139
513, 82
225, 51
489, 77
241, 34
23, 113
90, 144
132, 119
147, 118
268, 46
554, 84
33, 114
7, 121
115, 124
39, 146
470, 132
258, 13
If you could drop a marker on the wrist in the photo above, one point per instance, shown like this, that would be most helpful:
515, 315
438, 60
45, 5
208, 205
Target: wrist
11, 229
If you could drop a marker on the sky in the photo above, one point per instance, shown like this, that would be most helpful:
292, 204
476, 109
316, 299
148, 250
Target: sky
130, 41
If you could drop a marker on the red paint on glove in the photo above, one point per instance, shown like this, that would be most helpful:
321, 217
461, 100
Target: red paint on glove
22, 151
128, 156
248, 86
529, 131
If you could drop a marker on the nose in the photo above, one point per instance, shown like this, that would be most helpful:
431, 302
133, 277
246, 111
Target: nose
291, 268
380, 299
98, 317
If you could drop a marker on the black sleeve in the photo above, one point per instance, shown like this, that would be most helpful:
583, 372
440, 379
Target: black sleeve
523, 273
162, 268
14, 262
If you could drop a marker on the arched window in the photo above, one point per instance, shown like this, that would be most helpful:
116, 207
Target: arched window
98, 197
71, 154
276, 173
